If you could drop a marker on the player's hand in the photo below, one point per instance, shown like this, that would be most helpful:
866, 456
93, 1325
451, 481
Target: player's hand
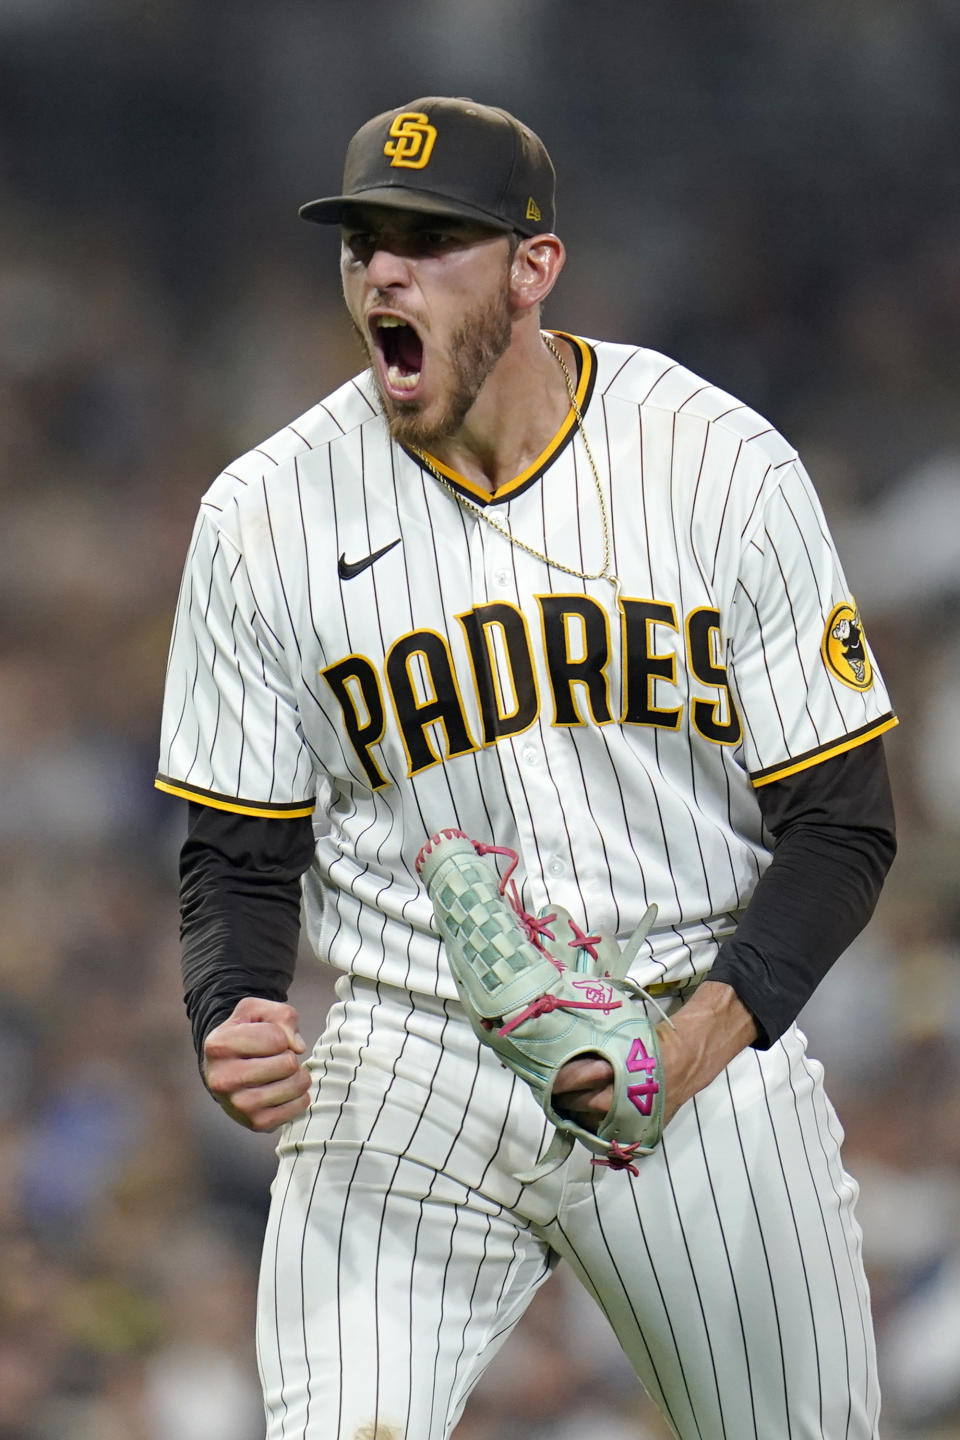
583, 1090
708, 1031
251, 1064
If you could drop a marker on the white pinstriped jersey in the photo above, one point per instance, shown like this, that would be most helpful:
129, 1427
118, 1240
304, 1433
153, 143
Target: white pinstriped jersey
455, 679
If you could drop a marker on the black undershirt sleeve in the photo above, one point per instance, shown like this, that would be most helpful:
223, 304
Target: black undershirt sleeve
239, 910
834, 840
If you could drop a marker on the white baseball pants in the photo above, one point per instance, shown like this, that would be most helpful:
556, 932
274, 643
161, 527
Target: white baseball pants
401, 1251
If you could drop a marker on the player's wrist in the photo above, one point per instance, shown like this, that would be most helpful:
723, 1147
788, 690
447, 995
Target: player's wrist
703, 1037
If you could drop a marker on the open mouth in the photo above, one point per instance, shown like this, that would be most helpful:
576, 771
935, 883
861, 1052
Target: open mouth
401, 352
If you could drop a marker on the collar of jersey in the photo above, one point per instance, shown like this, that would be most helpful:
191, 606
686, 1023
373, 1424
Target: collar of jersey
585, 379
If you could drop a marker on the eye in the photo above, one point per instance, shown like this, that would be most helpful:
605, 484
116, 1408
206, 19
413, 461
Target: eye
434, 241
359, 244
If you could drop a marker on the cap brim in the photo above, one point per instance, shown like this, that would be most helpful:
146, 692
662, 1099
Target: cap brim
331, 210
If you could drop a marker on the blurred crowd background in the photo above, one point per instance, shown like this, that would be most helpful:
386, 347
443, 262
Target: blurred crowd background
764, 189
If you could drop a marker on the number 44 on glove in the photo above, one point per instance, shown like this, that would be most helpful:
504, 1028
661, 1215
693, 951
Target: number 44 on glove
539, 992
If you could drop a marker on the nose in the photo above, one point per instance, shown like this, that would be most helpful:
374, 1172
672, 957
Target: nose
386, 269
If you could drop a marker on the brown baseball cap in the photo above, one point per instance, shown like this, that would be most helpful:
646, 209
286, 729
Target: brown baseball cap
447, 156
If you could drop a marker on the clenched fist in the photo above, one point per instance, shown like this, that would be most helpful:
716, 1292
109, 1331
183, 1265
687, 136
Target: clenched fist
251, 1064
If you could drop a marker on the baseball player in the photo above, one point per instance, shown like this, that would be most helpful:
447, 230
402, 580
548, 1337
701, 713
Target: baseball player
568, 600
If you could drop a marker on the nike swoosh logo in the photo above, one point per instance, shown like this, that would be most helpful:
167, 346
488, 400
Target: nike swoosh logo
346, 569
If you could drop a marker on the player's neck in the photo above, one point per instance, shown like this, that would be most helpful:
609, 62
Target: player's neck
522, 405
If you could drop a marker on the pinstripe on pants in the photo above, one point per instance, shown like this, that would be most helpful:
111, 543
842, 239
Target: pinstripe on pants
401, 1251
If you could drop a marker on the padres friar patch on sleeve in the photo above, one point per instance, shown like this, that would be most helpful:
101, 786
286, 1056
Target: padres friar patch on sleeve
843, 648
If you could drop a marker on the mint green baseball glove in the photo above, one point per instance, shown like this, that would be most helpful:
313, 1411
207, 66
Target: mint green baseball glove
539, 992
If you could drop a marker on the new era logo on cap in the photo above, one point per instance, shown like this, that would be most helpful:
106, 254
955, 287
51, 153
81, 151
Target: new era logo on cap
447, 156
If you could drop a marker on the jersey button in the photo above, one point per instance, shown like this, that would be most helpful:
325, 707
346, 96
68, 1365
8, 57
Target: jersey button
556, 866
530, 755
502, 577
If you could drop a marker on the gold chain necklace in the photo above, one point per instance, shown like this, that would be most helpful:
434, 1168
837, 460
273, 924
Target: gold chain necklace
604, 573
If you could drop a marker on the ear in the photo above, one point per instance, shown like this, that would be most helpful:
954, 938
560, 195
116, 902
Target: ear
534, 270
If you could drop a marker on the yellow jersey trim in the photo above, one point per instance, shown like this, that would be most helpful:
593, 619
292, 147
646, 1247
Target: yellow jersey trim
826, 752
582, 390
294, 810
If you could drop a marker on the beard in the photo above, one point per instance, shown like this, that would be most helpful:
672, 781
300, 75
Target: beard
475, 347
